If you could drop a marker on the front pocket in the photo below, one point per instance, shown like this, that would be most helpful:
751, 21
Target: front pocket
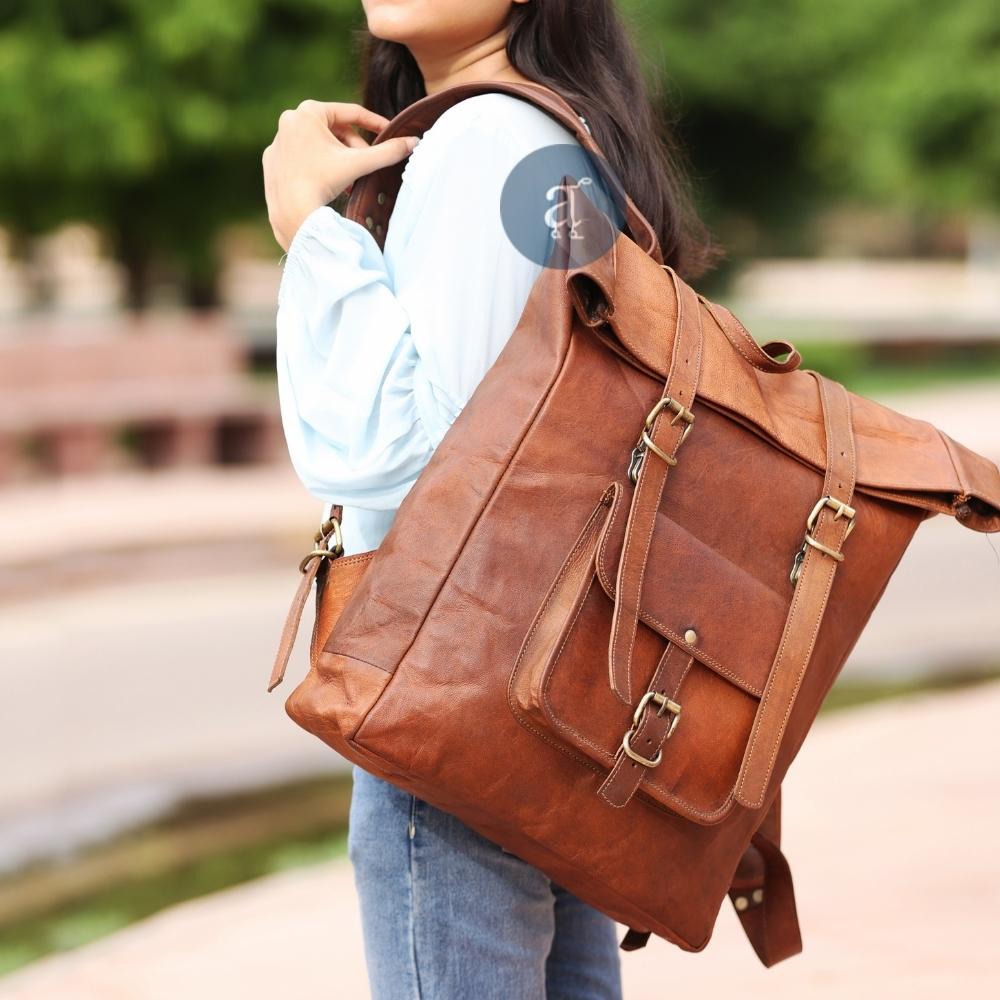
707, 636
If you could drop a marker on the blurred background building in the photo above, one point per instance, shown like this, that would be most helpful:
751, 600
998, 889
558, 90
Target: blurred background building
846, 155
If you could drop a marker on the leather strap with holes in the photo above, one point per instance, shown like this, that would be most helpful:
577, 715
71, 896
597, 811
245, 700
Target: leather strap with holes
809, 601
666, 434
649, 736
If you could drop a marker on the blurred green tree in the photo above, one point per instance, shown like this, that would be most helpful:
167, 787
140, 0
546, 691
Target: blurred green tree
149, 117
792, 104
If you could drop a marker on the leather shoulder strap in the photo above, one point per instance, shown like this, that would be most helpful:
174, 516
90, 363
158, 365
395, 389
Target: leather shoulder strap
763, 895
374, 195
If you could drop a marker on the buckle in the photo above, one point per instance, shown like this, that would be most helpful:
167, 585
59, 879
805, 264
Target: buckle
645, 442
840, 509
665, 705
329, 529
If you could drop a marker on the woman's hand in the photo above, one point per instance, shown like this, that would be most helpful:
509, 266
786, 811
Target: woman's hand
316, 154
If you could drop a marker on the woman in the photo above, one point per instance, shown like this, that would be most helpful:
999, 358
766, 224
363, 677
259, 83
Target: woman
377, 353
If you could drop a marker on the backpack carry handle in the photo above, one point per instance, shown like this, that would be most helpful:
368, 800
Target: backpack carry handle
374, 195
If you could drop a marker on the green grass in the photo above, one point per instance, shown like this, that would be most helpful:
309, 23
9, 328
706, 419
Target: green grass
851, 693
872, 370
203, 847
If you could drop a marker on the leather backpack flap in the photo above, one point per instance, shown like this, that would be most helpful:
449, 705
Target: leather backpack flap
714, 606
899, 458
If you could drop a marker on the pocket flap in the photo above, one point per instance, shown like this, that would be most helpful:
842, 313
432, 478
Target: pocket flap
736, 619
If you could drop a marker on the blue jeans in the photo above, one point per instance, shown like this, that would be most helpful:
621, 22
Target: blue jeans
448, 915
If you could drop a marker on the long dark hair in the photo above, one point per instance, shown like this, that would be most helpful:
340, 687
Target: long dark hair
583, 51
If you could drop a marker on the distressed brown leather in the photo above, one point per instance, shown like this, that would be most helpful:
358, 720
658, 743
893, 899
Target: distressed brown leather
530, 597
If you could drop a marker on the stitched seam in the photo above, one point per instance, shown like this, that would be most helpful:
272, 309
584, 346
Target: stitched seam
511, 702
549, 713
742, 353
581, 539
616, 502
358, 557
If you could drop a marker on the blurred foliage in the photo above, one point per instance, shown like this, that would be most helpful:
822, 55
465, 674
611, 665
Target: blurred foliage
790, 105
149, 116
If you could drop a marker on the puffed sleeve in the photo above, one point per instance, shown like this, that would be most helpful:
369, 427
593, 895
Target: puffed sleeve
345, 366
378, 353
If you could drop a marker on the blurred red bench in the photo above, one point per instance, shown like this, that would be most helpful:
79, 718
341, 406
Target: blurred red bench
150, 392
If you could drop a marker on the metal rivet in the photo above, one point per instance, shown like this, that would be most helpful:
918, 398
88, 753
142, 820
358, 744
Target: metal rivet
758, 895
369, 221
690, 637
741, 903
380, 198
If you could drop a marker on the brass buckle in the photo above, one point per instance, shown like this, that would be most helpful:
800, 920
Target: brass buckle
840, 509
665, 705
645, 442
330, 528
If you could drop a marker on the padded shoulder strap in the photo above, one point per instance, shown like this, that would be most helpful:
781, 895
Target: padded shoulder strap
374, 195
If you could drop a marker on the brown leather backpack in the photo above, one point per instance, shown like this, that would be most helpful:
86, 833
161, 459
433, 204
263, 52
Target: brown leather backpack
609, 609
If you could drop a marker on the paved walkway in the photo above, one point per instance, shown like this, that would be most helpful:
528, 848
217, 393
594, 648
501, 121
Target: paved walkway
892, 818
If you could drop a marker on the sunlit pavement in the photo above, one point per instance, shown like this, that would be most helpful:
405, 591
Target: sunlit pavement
892, 816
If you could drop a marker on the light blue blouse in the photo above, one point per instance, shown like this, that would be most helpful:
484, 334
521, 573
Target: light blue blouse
377, 352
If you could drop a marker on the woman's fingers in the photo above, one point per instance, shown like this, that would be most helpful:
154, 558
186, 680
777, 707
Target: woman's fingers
342, 119
338, 115
382, 154
316, 154
351, 138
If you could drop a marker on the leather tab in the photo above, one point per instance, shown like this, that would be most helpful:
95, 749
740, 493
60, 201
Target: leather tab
808, 602
634, 940
292, 620
761, 357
